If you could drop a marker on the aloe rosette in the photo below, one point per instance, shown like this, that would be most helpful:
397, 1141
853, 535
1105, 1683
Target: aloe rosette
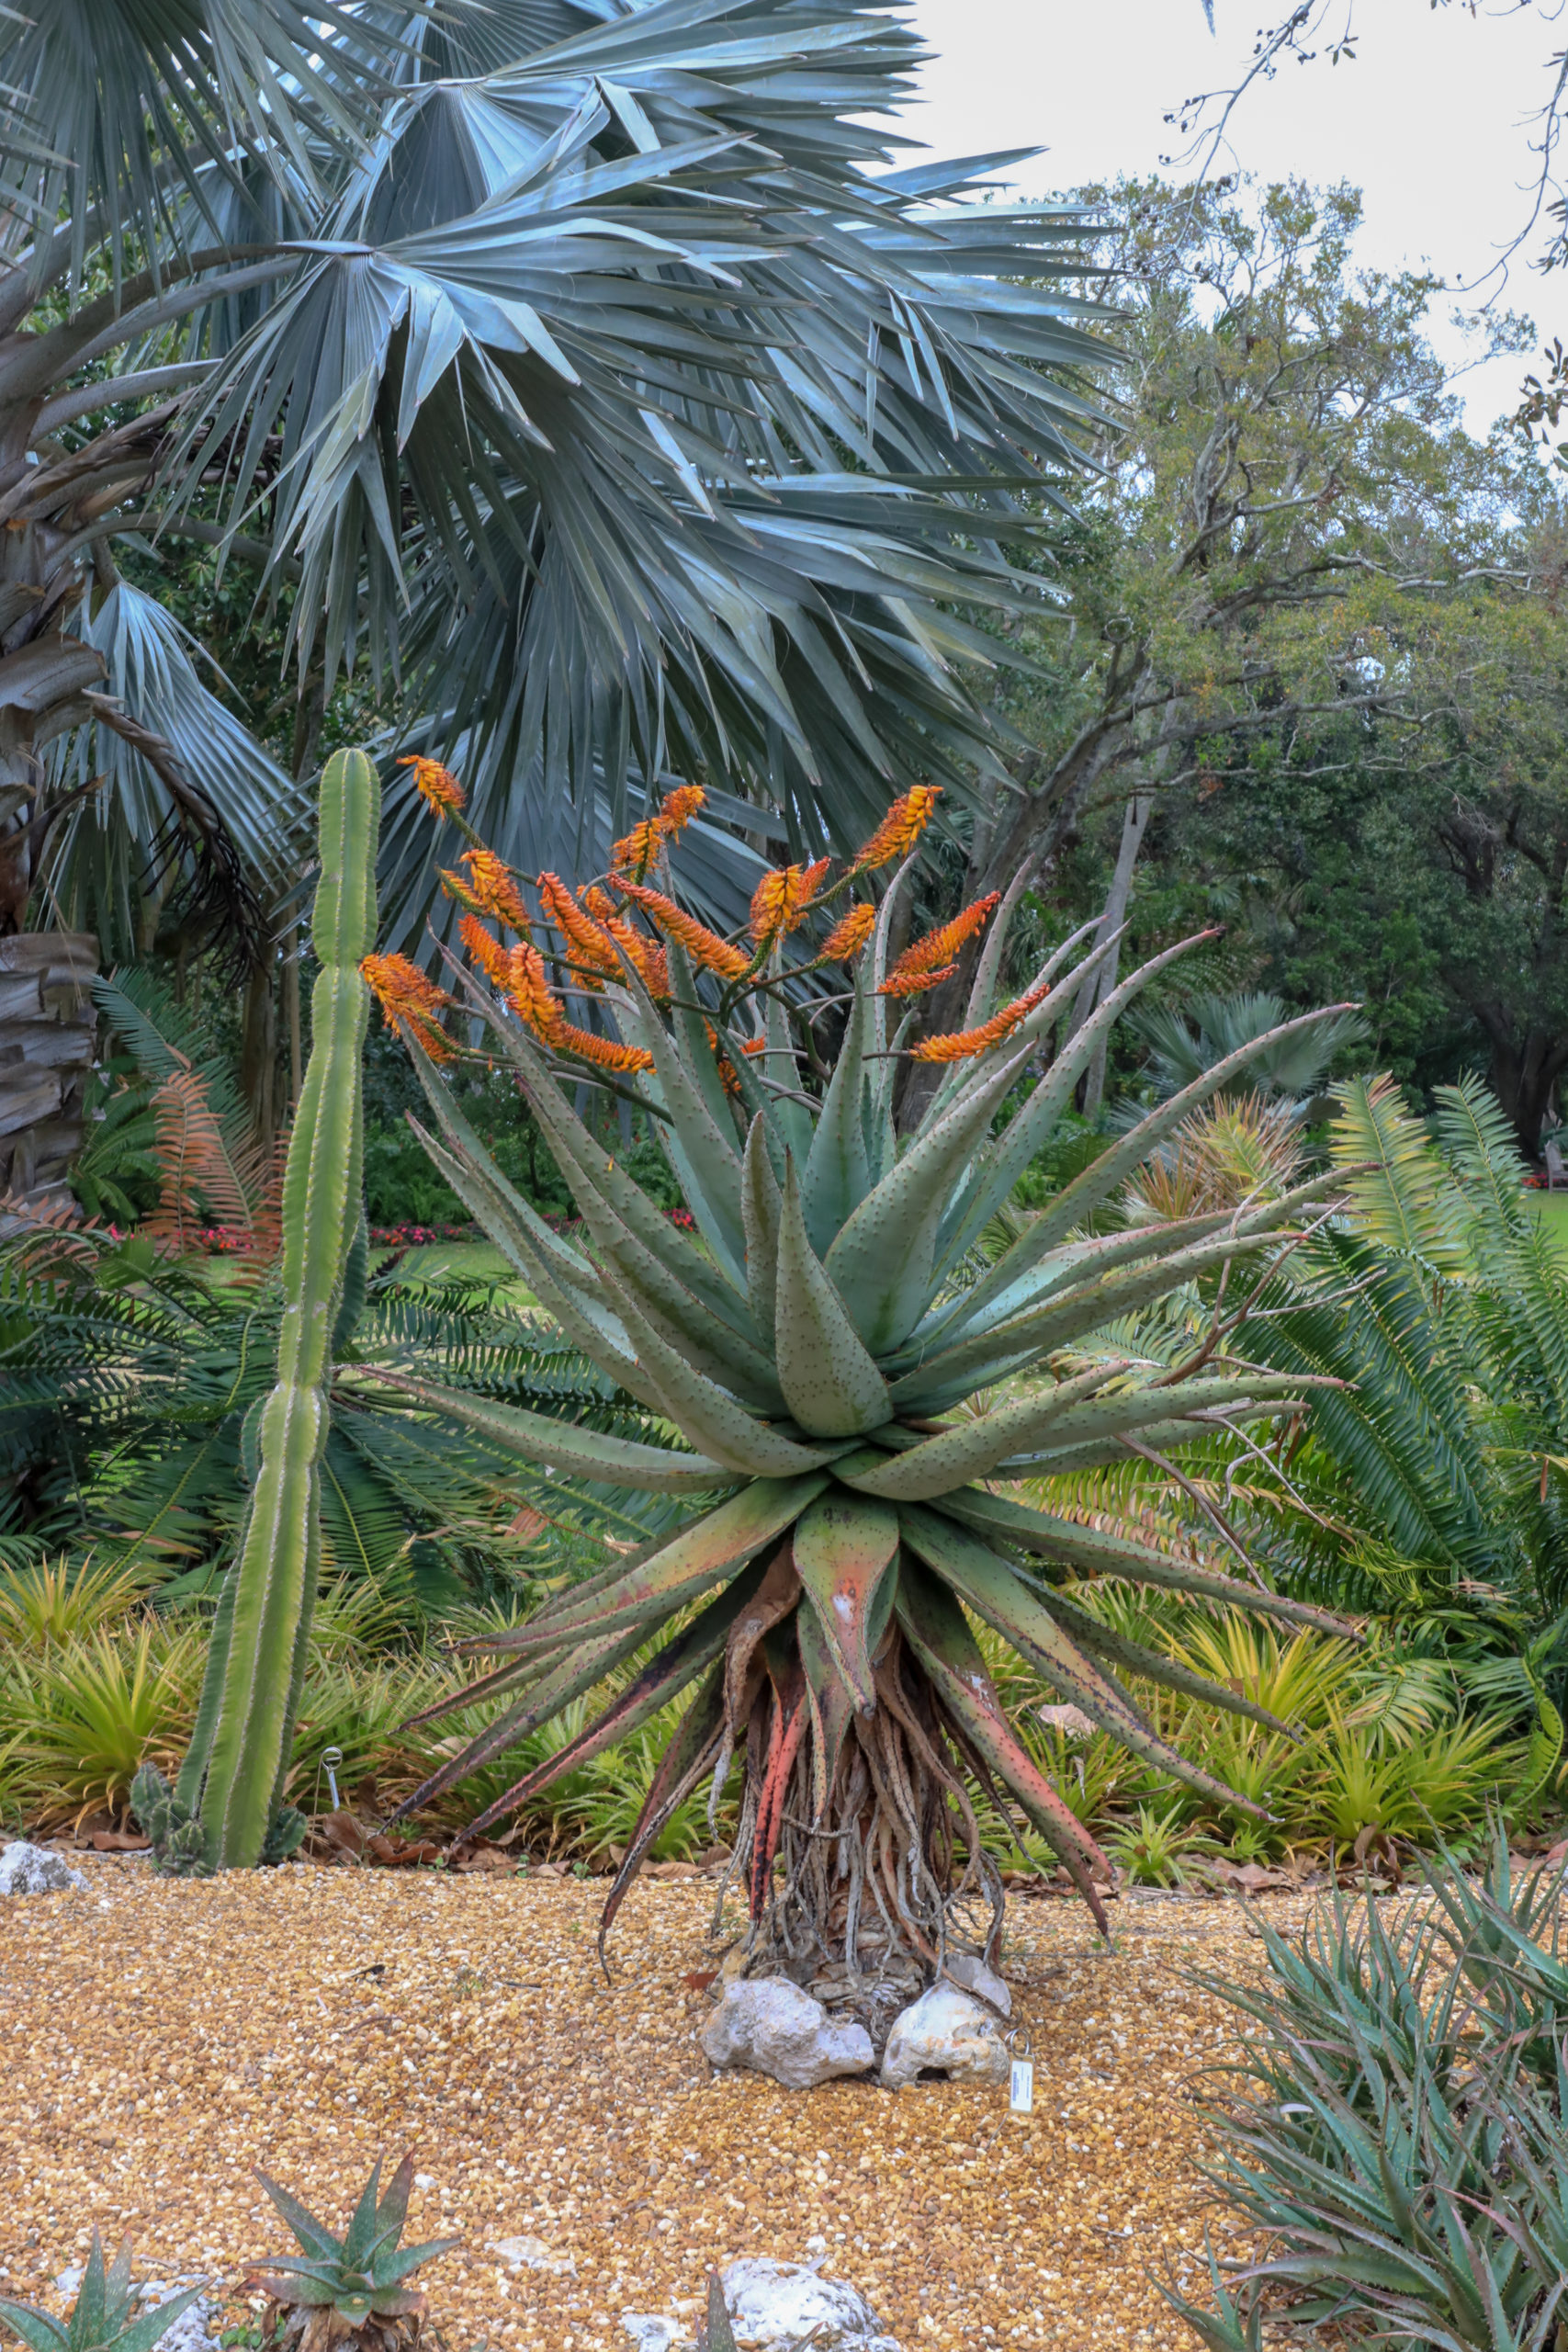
808, 1343
231, 1779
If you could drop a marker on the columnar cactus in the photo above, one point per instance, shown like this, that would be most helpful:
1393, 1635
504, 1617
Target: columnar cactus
233, 1777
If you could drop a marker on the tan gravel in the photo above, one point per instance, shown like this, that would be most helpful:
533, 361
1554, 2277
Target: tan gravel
164, 2038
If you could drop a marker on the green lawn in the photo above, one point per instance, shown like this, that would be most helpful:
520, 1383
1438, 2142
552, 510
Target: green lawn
1553, 1210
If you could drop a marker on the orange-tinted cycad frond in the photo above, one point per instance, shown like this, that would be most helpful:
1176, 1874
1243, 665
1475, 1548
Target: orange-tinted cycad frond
962, 1045
493, 889
410, 999
435, 785
849, 935
927, 960
780, 898
704, 946
899, 829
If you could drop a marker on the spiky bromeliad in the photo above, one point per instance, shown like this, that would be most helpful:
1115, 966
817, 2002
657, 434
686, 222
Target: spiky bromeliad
807, 1348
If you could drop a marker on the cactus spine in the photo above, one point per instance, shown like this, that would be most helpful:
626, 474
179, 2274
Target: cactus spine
233, 1775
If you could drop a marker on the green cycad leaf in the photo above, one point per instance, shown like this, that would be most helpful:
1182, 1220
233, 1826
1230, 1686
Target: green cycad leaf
830, 1379
844, 1556
1404, 1200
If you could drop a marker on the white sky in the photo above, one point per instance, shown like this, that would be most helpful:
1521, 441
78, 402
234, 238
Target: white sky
1432, 120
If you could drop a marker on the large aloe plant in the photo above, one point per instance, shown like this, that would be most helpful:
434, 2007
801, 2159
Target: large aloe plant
806, 1347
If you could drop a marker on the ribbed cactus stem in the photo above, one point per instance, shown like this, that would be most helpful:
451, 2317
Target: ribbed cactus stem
253, 1676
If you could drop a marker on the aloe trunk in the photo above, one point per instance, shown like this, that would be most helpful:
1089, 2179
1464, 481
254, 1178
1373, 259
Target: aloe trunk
239, 1754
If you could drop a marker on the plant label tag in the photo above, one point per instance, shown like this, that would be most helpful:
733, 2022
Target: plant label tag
1020, 2096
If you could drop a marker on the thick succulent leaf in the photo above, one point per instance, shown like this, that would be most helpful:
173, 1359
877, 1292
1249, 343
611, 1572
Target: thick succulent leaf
994, 1591
317, 2239
307, 2292
997, 1169
709, 1163
1036, 1430
713, 1546
1153, 1666
832, 1705
760, 1206
390, 2268
36, 2328
970, 1449
837, 1174
708, 1417
582, 1312
1102, 1176
844, 1556
597, 1654
90, 2310
392, 2217
143, 2334
689, 1031
589, 1168
775, 1599
830, 1379
1027, 1276
587, 1454
360, 2235
1035, 1024
951, 1655
1096, 1552
512, 1674
981, 1362
684, 1761
707, 1341
663, 1677
884, 1259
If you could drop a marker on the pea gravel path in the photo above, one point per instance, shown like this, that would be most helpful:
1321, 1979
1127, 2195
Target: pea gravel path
162, 2037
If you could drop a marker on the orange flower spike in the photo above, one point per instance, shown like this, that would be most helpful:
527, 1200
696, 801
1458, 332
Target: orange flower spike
678, 807
591, 953
486, 952
603, 1052
899, 829
408, 997
849, 935
940, 946
435, 785
489, 878
530, 994
636, 851
782, 898
961, 1044
916, 983
704, 946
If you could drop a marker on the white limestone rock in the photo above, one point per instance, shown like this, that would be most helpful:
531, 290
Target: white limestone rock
949, 2031
653, 2331
33, 1870
984, 1983
774, 2306
775, 2029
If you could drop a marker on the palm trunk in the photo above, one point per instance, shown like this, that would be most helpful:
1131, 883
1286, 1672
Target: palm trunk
48, 1038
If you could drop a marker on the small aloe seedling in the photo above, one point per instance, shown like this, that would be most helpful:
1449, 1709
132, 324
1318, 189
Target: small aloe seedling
348, 2289
717, 2336
100, 2318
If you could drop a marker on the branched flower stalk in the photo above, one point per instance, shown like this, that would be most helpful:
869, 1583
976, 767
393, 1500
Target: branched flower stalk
808, 1347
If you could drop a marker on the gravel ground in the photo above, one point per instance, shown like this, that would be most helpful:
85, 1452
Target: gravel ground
164, 2038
